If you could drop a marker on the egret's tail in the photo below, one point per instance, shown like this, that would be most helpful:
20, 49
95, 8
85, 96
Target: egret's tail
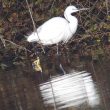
32, 37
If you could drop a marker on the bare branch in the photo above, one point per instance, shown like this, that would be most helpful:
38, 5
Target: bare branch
3, 41
16, 45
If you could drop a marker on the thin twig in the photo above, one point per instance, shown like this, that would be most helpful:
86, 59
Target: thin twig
30, 11
3, 41
107, 7
31, 16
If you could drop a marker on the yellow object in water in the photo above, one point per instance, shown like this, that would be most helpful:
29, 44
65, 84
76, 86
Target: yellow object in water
98, 40
36, 65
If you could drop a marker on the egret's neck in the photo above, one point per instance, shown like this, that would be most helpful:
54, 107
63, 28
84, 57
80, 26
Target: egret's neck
71, 18
73, 22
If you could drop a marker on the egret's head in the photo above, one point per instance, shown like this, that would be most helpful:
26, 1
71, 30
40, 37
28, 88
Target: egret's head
71, 10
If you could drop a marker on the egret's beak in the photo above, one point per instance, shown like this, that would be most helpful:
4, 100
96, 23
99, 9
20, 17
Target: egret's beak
83, 9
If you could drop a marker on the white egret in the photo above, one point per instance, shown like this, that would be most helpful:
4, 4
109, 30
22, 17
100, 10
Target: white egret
57, 29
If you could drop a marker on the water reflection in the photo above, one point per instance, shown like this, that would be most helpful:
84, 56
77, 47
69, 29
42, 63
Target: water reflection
70, 90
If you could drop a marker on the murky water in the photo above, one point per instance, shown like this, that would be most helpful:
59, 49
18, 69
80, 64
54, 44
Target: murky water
88, 90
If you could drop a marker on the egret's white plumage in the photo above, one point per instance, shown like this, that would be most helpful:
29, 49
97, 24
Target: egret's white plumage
57, 29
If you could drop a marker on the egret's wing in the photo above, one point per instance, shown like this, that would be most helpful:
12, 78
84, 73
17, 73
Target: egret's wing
52, 31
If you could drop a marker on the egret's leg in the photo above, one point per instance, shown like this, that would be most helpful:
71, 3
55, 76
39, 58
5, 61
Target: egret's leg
57, 50
60, 65
42, 48
62, 69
